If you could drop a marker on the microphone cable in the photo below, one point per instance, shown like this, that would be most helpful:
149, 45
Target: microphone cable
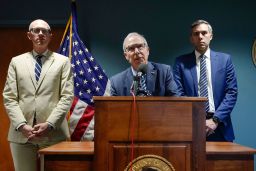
132, 128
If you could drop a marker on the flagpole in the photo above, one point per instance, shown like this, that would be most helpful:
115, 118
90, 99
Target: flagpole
70, 37
66, 29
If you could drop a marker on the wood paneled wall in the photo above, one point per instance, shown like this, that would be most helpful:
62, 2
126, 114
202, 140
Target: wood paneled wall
14, 41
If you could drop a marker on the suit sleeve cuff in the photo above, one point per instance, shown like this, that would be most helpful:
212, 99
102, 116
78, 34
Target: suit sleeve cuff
50, 125
21, 124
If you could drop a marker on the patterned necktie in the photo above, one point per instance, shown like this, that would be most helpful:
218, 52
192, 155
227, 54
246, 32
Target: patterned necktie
143, 85
38, 67
203, 89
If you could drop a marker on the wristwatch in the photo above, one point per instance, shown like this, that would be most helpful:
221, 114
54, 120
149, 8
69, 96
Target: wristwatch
216, 119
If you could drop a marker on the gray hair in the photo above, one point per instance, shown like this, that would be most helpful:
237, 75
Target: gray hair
198, 22
134, 34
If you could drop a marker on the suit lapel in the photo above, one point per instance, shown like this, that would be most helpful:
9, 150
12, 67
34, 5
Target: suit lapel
31, 68
214, 65
193, 72
151, 77
128, 81
45, 67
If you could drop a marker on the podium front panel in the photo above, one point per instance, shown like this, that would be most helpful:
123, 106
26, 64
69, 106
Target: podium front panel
171, 128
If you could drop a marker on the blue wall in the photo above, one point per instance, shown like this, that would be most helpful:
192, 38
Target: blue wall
166, 24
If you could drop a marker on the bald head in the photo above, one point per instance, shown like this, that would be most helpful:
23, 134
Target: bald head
40, 35
39, 23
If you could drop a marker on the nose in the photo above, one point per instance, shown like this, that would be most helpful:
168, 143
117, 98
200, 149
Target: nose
200, 36
136, 50
40, 32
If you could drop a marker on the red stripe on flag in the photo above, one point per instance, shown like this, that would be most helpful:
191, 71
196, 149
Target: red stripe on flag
83, 124
75, 100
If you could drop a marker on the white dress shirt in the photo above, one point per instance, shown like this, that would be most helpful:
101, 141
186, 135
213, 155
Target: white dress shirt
209, 77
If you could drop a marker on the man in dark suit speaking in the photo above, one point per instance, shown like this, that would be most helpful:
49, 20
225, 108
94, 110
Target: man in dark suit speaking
156, 79
210, 74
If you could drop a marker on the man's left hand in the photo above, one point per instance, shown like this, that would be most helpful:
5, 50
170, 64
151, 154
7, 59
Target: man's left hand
40, 129
210, 126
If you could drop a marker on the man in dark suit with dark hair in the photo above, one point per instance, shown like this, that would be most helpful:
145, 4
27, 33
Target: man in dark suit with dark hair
210, 74
158, 77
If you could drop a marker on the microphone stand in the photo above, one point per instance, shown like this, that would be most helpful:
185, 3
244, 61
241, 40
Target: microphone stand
136, 87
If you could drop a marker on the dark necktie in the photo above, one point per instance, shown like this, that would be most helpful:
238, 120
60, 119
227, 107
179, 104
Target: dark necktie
38, 67
143, 85
203, 81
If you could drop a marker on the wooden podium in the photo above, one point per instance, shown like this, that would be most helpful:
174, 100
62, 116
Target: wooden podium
168, 133
78, 156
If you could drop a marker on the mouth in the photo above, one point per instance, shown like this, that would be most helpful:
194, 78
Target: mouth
139, 59
202, 44
40, 39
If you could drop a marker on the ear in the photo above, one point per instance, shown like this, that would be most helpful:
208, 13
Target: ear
29, 35
211, 36
50, 36
126, 56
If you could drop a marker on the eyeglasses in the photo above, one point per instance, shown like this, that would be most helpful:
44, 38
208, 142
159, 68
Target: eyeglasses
42, 30
132, 48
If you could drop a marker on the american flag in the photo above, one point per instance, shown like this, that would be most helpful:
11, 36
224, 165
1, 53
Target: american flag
89, 80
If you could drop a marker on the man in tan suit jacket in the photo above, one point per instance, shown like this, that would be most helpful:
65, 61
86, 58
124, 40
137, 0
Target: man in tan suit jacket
37, 107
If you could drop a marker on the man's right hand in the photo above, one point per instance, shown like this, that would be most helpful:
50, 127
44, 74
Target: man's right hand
27, 131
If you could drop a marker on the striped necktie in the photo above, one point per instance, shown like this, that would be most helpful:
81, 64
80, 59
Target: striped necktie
143, 85
38, 66
203, 82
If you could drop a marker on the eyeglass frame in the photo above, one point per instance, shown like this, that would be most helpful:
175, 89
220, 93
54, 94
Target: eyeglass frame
44, 31
132, 48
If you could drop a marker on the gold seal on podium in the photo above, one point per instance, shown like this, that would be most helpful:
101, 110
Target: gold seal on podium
150, 163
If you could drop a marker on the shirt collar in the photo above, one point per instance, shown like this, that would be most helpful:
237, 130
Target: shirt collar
43, 54
207, 53
134, 73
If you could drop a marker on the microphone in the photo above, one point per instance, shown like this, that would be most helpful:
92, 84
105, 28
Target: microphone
142, 69
135, 89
